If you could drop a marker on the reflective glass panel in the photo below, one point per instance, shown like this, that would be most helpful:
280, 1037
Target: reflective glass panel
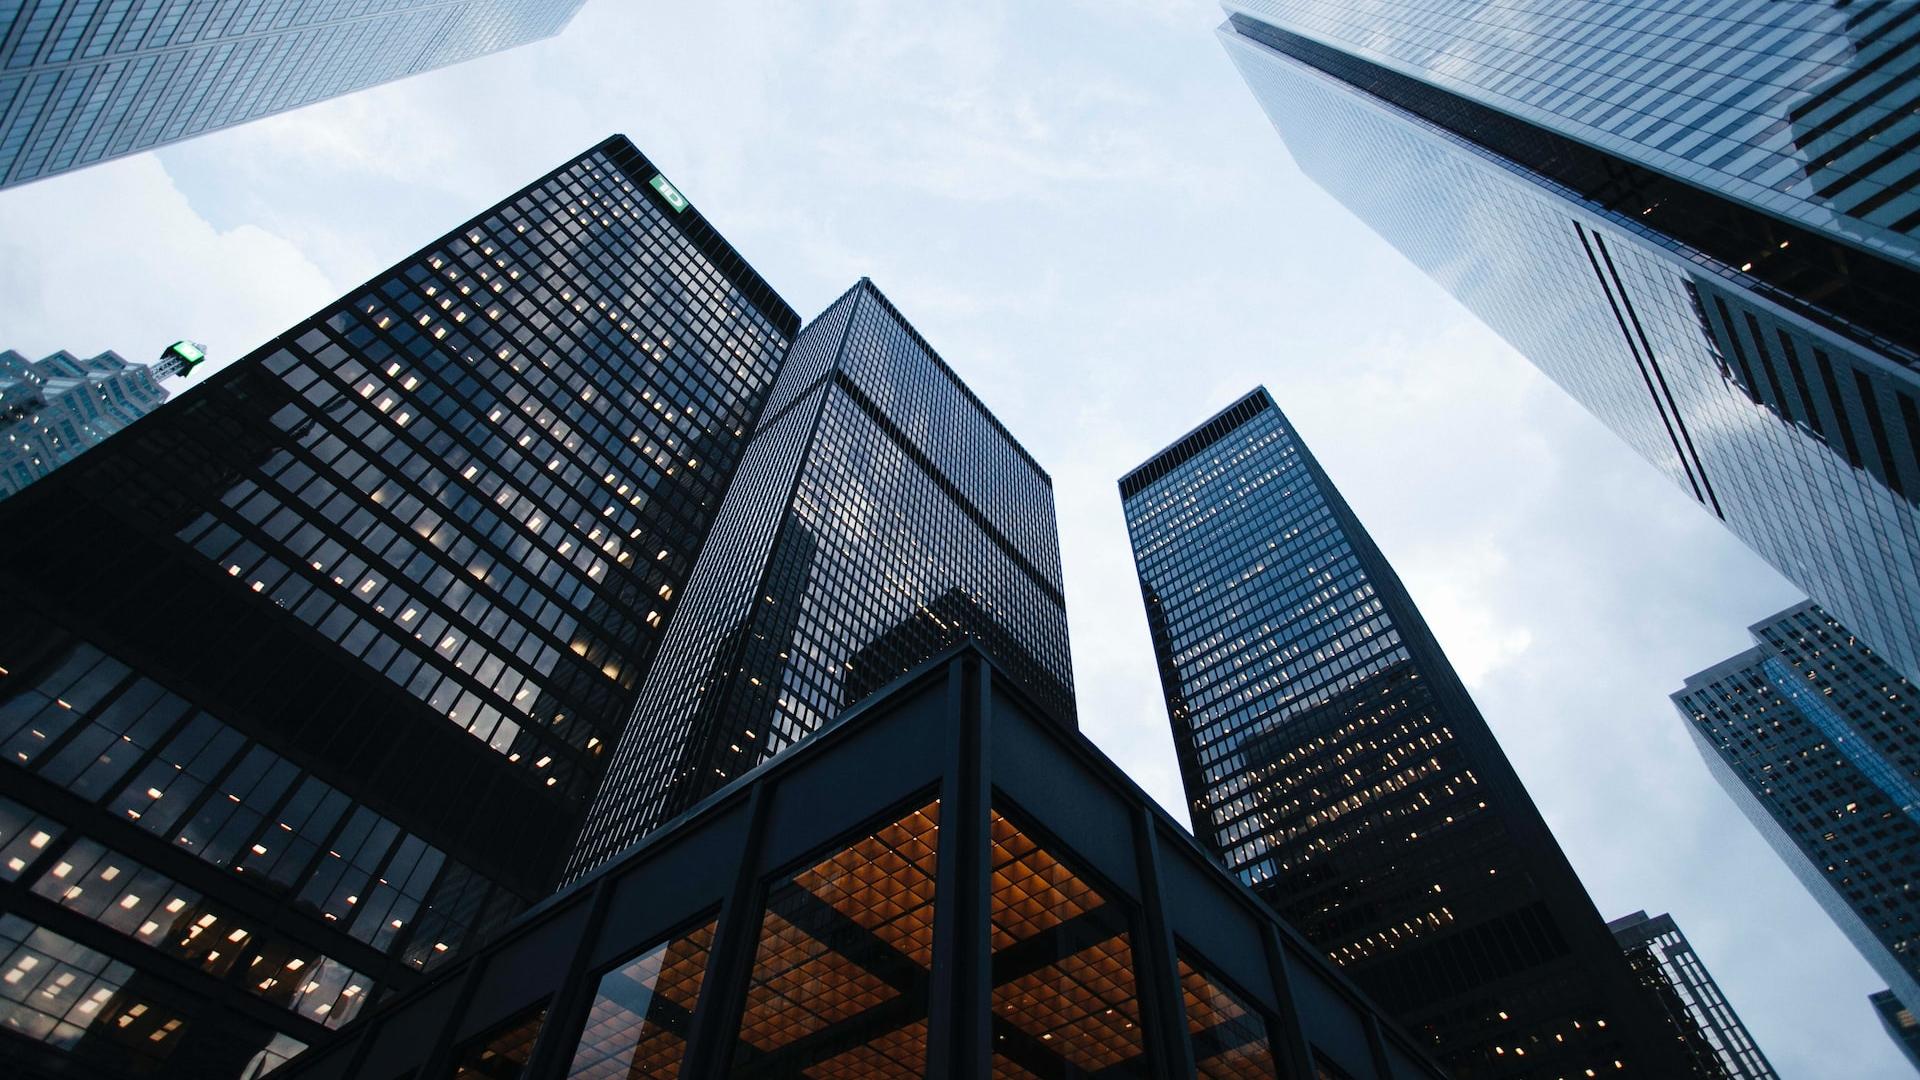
1230, 1040
1064, 1004
56, 991
500, 1054
638, 1025
840, 979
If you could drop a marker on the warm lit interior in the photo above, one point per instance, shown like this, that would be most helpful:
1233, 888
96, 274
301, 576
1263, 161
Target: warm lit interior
642, 1010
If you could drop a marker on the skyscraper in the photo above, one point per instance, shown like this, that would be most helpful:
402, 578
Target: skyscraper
305, 679
1818, 741
1332, 758
53, 409
1684, 990
82, 81
881, 513
1901, 1025
1701, 220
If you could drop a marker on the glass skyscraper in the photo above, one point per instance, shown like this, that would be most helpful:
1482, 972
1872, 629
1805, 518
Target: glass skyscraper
1683, 988
881, 513
53, 409
307, 677
1333, 759
1701, 220
82, 81
1902, 1026
1818, 741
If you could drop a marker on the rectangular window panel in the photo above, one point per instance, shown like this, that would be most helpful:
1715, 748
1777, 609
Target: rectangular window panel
1064, 1003
638, 1024
840, 979
1230, 1037
500, 1054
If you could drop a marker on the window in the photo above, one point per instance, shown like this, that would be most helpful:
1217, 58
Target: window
1230, 1038
641, 1011
502, 1053
1063, 998
839, 986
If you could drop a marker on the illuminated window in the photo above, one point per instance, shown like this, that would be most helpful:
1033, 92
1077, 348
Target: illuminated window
840, 978
638, 1024
1230, 1038
57, 991
502, 1053
1063, 996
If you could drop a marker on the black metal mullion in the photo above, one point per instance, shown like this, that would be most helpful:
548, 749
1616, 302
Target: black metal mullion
1294, 1051
730, 967
960, 1008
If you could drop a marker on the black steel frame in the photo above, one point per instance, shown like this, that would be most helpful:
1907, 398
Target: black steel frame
954, 726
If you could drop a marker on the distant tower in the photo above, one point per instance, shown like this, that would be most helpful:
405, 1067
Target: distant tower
1817, 739
1900, 1023
1702, 220
82, 82
53, 410
881, 513
1333, 759
1683, 989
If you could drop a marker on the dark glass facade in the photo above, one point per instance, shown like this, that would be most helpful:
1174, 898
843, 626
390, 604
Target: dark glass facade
945, 883
1817, 739
306, 678
53, 409
1902, 1026
1700, 220
1333, 760
1682, 988
83, 81
881, 513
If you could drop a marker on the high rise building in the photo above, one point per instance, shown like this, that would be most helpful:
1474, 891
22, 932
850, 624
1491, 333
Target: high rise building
881, 513
306, 679
1683, 990
53, 409
1817, 739
1900, 1023
82, 81
1332, 758
1701, 220
969, 889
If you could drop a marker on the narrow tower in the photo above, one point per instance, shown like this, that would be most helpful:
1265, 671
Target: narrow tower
880, 515
1817, 740
1333, 759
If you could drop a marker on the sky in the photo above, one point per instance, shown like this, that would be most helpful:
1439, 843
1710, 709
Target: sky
1082, 208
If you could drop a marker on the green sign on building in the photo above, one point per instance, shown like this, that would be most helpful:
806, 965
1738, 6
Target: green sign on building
669, 192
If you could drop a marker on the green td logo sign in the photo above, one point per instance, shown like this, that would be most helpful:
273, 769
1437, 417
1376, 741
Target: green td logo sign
669, 192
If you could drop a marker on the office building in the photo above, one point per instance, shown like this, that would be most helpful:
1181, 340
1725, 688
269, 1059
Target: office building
53, 409
881, 513
946, 882
83, 81
1700, 220
306, 679
1817, 739
1682, 988
1333, 760
1900, 1023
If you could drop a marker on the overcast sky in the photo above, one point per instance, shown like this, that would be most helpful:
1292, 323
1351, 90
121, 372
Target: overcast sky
1082, 208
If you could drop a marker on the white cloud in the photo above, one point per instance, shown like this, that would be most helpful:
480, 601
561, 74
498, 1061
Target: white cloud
114, 258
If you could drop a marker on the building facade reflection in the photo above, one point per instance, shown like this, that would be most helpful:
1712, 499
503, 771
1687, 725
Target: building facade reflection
1704, 225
